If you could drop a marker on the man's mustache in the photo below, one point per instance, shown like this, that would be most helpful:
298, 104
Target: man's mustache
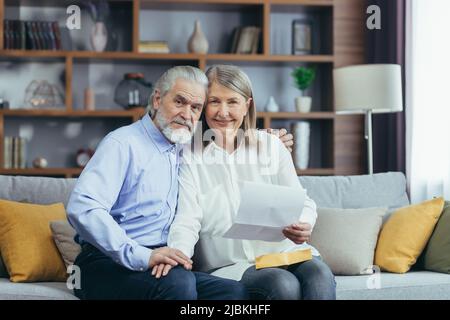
187, 123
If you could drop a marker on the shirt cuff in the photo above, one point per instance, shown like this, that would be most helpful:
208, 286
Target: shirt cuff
308, 216
142, 257
183, 248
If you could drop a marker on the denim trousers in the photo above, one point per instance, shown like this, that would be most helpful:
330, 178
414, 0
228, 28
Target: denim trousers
102, 278
309, 280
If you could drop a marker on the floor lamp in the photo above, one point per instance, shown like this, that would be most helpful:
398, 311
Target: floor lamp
368, 89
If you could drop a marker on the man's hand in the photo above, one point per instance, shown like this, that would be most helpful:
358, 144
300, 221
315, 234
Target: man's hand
169, 256
298, 232
286, 138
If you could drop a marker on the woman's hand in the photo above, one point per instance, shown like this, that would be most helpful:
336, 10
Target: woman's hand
298, 232
161, 270
286, 138
173, 257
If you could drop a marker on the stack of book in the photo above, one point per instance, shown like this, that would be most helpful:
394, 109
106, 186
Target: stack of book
153, 47
14, 153
32, 35
245, 40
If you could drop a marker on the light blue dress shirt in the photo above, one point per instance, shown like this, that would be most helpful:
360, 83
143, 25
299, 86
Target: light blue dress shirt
125, 199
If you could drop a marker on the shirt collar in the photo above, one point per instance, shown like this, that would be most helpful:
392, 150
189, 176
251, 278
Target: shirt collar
212, 146
156, 135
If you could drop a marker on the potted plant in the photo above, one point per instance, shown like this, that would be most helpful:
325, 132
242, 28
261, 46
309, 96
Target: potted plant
303, 78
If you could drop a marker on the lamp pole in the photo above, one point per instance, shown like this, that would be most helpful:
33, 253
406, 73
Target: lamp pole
368, 136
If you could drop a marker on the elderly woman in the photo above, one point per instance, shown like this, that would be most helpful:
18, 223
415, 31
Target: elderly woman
209, 198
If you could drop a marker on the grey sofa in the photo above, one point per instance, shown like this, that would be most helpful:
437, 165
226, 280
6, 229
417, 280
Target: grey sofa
387, 189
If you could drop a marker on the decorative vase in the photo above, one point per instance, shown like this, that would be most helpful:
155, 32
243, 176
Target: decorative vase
99, 36
133, 91
197, 42
301, 131
303, 104
89, 99
271, 105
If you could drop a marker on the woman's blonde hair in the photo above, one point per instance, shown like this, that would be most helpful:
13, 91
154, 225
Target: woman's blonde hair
237, 80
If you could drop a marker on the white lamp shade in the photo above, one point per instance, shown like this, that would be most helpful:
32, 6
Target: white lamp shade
376, 87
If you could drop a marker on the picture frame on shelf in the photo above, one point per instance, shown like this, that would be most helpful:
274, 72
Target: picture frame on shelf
302, 36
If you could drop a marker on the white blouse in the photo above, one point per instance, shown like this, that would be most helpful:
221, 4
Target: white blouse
209, 199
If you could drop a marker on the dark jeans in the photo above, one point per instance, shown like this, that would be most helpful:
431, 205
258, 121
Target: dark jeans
102, 278
309, 280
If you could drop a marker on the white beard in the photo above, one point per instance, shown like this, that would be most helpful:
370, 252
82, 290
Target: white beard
181, 135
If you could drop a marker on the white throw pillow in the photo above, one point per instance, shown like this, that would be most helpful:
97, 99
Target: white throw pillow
63, 235
347, 238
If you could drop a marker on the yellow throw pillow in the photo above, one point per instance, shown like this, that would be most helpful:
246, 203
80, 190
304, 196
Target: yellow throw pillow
26, 242
405, 235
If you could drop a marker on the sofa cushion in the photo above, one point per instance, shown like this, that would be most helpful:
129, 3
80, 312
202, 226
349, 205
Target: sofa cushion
346, 238
418, 285
26, 243
35, 291
405, 235
348, 192
64, 234
437, 253
38, 190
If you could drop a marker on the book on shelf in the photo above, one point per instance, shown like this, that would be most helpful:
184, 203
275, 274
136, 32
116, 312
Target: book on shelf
153, 47
245, 40
14, 153
31, 35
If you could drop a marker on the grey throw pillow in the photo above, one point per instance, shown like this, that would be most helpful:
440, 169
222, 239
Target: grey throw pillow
63, 235
347, 238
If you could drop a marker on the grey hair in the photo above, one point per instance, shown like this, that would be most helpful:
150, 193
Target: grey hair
235, 79
167, 80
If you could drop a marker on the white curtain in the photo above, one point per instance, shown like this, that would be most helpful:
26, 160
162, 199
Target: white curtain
428, 99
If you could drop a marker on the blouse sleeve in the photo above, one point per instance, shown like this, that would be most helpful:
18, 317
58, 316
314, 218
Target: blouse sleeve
287, 176
184, 231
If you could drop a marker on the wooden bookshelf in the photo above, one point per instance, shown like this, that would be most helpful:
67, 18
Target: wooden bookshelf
343, 149
164, 56
73, 114
64, 172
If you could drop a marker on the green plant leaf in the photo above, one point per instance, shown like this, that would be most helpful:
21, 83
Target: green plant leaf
303, 77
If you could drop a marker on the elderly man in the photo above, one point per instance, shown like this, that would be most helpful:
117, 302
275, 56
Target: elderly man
125, 199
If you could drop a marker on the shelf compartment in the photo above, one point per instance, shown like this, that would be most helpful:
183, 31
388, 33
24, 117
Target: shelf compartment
58, 140
282, 17
274, 79
17, 76
119, 38
103, 78
321, 154
174, 22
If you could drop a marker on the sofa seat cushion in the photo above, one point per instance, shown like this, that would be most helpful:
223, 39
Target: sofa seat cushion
420, 285
35, 291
